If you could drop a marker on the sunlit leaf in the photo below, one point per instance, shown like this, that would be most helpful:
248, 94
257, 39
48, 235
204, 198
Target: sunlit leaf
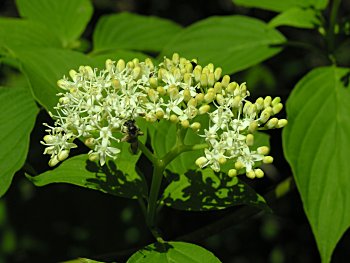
133, 32
297, 17
66, 18
317, 146
45, 66
232, 42
23, 34
203, 190
173, 252
279, 6
17, 114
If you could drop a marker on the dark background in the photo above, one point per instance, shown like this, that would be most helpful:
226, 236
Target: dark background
62, 222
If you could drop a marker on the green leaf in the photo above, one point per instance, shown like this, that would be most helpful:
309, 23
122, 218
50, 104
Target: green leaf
118, 54
297, 17
17, 114
117, 178
204, 190
23, 33
173, 252
280, 6
133, 32
317, 146
232, 42
66, 18
45, 66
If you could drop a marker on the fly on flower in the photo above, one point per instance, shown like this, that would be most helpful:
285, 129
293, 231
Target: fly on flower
132, 133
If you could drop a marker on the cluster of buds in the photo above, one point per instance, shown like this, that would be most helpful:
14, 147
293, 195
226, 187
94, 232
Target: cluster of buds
95, 105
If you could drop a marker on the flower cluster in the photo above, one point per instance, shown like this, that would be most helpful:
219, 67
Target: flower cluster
95, 105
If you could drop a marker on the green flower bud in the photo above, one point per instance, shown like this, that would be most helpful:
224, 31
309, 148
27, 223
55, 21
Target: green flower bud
211, 80
275, 101
249, 139
267, 101
281, 123
271, 123
259, 173
195, 126
250, 174
153, 82
263, 150
203, 109
204, 80
63, 155
53, 161
232, 172
201, 161
217, 74
120, 65
277, 108
267, 159
225, 81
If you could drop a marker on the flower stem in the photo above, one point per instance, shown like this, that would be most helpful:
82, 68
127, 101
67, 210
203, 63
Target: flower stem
153, 197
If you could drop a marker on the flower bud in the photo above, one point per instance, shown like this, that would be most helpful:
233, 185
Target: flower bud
161, 90
239, 165
201, 161
53, 161
267, 101
203, 109
253, 126
268, 159
259, 173
209, 97
185, 124
176, 58
231, 87
218, 87
200, 98
73, 74
264, 116
159, 114
204, 80
275, 101
232, 172
251, 174
211, 79
192, 102
188, 79
259, 103
153, 82
109, 64
263, 150
115, 84
271, 123
62, 155
187, 95
217, 74
136, 72
94, 156
277, 108
225, 81
249, 139
89, 142
120, 65
149, 63
281, 123
49, 138
195, 126
197, 72
220, 99
173, 118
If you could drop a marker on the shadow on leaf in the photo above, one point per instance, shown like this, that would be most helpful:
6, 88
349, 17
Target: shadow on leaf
113, 181
205, 190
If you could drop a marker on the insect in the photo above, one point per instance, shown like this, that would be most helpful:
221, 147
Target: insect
132, 132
